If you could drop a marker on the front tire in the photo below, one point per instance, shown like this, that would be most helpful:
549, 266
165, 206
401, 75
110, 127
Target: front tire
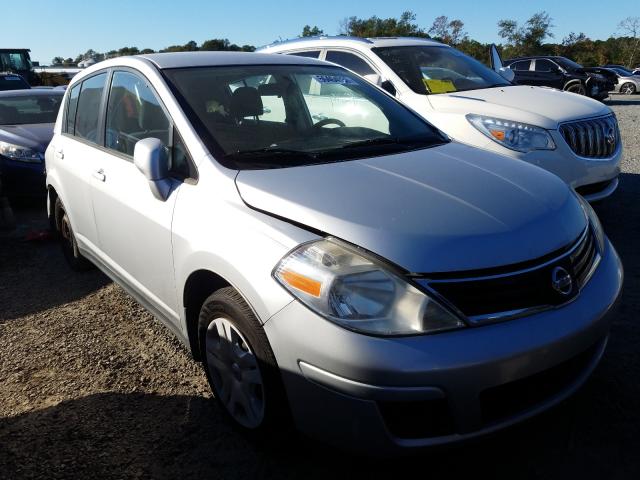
575, 87
627, 88
239, 363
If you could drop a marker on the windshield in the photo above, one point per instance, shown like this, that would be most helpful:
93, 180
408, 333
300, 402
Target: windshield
273, 116
623, 72
27, 109
568, 64
12, 82
432, 70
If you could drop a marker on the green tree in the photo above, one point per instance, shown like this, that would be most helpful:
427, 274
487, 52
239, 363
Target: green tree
57, 61
526, 39
309, 31
404, 26
630, 26
448, 31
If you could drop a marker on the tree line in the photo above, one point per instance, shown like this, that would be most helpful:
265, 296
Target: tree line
519, 39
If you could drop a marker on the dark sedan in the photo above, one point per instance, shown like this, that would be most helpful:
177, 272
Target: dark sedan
26, 127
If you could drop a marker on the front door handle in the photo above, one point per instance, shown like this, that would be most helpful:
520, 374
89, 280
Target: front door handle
59, 153
99, 175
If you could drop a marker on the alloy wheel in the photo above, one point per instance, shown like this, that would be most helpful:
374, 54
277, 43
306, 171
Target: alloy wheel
235, 373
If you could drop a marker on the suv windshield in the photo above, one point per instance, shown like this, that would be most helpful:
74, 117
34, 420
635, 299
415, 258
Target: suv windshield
568, 64
27, 109
432, 70
273, 116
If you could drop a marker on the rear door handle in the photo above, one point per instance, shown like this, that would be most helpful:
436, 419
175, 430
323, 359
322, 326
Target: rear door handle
99, 175
60, 153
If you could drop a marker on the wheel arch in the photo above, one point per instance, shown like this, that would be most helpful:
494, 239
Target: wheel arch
198, 286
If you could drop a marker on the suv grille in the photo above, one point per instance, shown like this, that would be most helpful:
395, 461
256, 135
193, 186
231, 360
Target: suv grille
593, 138
488, 295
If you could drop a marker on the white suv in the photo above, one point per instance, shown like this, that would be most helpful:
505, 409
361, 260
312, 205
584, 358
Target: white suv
573, 136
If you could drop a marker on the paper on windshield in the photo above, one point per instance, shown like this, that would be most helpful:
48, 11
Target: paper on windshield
439, 86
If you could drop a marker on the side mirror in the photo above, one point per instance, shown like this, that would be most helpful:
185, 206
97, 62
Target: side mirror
388, 86
507, 73
373, 78
150, 157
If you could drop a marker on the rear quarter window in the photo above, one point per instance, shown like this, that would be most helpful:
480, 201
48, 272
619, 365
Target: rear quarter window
70, 114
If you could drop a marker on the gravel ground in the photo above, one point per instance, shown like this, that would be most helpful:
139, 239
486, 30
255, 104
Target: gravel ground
92, 386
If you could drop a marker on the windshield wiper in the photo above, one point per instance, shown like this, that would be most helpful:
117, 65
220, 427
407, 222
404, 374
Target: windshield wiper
279, 157
409, 142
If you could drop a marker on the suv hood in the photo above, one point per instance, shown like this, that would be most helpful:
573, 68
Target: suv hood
541, 106
448, 208
36, 136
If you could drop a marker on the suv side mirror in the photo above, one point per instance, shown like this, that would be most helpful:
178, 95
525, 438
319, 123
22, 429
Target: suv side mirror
373, 78
150, 157
388, 86
507, 73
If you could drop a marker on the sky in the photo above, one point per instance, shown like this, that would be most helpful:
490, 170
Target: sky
71, 27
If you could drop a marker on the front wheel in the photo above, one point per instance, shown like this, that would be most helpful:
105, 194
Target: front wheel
627, 88
239, 362
575, 87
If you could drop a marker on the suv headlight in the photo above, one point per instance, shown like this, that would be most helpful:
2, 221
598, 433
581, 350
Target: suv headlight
21, 154
596, 226
358, 292
521, 137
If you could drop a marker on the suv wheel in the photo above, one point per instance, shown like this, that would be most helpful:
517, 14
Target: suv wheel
68, 241
239, 362
627, 88
575, 87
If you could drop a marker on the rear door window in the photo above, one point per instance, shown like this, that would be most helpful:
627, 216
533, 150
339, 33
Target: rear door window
308, 54
88, 109
350, 61
520, 66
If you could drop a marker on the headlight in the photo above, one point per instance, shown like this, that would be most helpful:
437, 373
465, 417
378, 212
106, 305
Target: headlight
359, 293
596, 226
514, 135
21, 154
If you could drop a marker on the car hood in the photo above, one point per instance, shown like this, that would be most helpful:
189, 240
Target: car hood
36, 136
541, 106
448, 208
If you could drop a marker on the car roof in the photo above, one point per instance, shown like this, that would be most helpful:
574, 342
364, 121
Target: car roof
206, 59
29, 92
343, 40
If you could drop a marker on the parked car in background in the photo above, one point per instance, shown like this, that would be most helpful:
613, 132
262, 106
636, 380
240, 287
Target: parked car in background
627, 71
560, 73
628, 83
382, 285
26, 127
12, 81
575, 138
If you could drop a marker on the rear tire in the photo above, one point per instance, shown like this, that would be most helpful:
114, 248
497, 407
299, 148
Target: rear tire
627, 88
70, 250
240, 365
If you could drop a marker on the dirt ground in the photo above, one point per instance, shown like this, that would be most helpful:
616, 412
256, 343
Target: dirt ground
91, 386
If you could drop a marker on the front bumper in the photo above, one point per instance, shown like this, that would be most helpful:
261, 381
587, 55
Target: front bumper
20, 179
352, 390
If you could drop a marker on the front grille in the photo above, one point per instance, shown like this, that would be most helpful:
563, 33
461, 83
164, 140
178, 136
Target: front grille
509, 399
487, 295
593, 138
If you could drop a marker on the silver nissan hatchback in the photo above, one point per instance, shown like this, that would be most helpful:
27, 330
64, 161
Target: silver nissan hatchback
328, 255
